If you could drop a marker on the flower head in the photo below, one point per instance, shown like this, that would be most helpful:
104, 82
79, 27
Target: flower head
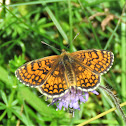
72, 99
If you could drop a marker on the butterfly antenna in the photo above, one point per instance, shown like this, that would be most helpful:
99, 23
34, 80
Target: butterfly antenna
74, 38
49, 45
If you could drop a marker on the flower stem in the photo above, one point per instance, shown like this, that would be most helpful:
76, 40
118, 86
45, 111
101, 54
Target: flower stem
115, 101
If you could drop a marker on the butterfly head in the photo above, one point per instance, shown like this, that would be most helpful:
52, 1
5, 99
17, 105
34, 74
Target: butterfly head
63, 50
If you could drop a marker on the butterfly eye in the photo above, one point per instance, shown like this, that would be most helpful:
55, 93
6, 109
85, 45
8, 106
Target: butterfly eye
60, 62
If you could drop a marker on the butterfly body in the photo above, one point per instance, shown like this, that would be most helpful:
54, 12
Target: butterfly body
69, 74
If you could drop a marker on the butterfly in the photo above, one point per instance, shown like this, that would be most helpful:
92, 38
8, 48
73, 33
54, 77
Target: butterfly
55, 75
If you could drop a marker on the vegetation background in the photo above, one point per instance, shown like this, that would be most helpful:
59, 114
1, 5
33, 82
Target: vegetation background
24, 24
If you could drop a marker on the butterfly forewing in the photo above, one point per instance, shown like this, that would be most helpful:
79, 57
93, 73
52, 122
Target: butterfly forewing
98, 61
36, 72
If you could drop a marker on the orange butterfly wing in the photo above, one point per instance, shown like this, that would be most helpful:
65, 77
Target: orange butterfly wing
88, 65
56, 84
36, 72
86, 80
96, 60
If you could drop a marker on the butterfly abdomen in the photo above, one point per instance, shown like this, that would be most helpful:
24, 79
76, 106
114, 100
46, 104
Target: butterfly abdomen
70, 76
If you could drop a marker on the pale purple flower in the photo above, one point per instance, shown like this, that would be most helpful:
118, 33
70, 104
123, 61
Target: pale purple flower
72, 99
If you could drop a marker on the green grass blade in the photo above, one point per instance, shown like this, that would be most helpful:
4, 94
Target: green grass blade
35, 102
71, 25
52, 16
123, 52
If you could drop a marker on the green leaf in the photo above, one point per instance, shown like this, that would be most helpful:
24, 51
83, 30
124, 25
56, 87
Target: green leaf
4, 76
4, 97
